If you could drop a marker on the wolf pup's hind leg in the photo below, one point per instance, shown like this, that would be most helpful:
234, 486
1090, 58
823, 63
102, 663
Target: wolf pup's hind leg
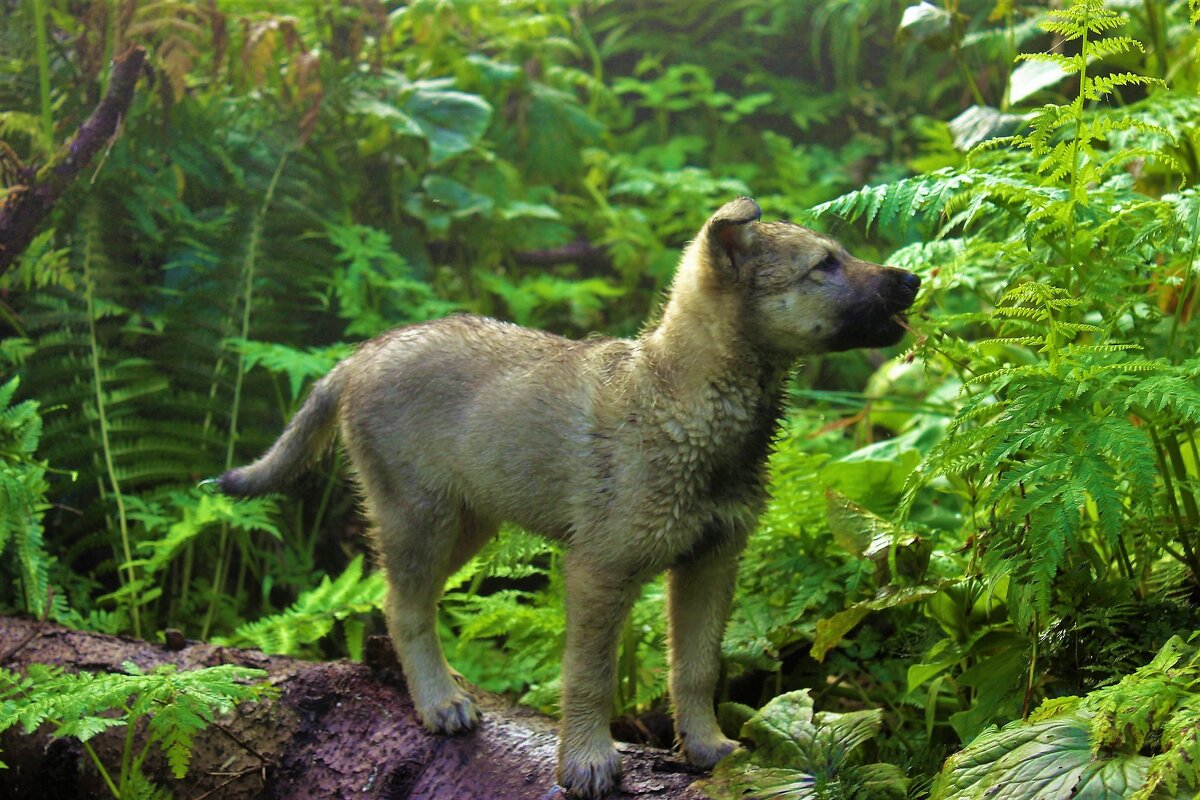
422, 541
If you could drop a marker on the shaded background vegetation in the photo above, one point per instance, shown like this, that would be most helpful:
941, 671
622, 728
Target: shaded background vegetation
1001, 511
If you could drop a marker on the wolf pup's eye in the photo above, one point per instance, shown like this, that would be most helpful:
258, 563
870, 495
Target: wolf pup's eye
828, 264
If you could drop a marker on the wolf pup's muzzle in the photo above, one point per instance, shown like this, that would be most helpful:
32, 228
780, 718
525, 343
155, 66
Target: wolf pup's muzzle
878, 319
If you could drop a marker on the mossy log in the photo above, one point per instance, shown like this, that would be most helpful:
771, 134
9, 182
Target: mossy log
337, 729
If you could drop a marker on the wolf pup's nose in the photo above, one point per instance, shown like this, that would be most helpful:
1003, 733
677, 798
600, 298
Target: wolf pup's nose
909, 284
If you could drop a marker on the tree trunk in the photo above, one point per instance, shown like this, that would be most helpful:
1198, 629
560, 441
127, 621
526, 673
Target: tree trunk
338, 729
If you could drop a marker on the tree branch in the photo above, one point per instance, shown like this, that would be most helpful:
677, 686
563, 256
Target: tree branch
26, 206
592, 259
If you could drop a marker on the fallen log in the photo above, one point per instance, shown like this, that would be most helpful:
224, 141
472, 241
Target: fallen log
337, 729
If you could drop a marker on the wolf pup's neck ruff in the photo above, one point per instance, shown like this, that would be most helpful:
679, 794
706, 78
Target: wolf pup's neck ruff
639, 455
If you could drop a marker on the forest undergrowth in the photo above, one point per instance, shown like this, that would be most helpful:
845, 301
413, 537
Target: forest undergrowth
980, 568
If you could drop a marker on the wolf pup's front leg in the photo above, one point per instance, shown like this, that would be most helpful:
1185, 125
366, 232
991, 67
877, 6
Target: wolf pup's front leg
597, 605
699, 593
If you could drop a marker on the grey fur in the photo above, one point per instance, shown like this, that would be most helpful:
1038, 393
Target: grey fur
639, 455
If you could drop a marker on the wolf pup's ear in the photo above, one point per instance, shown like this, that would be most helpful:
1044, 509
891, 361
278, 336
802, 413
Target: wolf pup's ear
730, 235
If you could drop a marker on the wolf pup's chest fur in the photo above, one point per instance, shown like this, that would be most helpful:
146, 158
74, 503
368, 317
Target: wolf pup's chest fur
640, 455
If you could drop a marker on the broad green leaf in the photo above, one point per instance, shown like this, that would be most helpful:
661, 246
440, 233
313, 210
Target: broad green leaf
928, 24
999, 682
457, 199
836, 736
1040, 761
830, 631
1031, 76
520, 209
777, 727
397, 120
881, 782
918, 674
800, 755
786, 731
452, 122
737, 777
854, 528
873, 476
980, 123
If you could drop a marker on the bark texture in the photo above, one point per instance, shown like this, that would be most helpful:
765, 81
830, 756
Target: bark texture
27, 205
337, 730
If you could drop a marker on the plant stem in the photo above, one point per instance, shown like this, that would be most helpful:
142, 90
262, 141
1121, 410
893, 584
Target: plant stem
1173, 505
976, 95
108, 781
129, 579
1156, 35
1080, 129
248, 265
43, 61
127, 755
1032, 676
1189, 280
323, 505
1171, 445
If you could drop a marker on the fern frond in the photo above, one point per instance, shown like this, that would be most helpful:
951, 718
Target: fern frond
23, 488
1021, 313
1071, 65
1081, 18
1171, 390
1114, 46
1100, 87
900, 202
314, 613
1006, 375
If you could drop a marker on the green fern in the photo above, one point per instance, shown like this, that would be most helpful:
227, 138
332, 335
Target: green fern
1071, 451
1053, 441
899, 204
314, 614
23, 487
177, 705
374, 286
1046, 438
300, 366
1135, 739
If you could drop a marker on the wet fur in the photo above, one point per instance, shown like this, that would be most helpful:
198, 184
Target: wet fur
639, 455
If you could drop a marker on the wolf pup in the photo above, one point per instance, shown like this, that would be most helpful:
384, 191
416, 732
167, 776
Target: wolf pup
639, 455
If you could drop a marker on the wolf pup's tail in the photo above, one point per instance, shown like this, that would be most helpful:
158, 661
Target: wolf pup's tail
302, 441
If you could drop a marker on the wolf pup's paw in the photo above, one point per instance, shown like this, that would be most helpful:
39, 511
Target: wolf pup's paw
705, 753
457, 714
590, 779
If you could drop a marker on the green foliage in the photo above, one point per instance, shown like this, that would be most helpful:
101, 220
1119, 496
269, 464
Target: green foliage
174, 705
507, 610
797, 755
1067, 470
23, 488
313, 615
1008, 512
1135, 739
374, 290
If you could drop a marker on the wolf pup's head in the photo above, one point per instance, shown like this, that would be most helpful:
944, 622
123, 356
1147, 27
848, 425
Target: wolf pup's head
801, 292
